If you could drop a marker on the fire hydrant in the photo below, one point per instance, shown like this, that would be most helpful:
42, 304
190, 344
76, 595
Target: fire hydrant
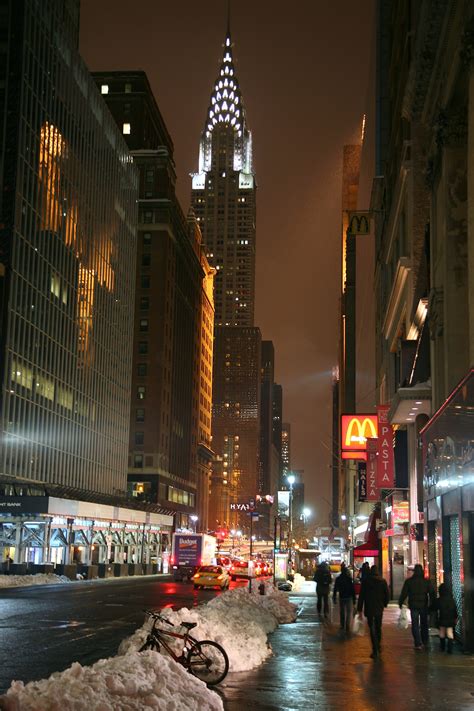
261, 588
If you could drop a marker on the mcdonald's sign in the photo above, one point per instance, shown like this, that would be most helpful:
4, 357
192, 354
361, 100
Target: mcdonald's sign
355, 429
359, 223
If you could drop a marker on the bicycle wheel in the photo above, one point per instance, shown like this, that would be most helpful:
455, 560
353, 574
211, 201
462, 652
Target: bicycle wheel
208, 661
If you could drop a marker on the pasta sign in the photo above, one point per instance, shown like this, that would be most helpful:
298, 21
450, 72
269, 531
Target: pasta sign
385, 461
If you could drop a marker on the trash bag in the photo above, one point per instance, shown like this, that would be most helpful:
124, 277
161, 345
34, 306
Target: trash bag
358, 626
403, 621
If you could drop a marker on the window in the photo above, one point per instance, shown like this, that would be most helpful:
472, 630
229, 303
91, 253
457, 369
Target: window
146, 259
150, 174
144, 303
128, 88
145, 282
148, 216
126, 129
146, 239
138, 461
55, 287
143, 347
142, 369
144, 324
140, 414
139, 438
104, 89
141, 392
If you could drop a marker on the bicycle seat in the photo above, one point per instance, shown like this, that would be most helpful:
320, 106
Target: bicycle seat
189, 625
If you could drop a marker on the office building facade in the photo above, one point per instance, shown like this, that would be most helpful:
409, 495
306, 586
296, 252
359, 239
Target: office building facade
170, 417
67, 255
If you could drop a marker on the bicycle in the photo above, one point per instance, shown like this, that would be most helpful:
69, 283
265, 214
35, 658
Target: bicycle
206, 660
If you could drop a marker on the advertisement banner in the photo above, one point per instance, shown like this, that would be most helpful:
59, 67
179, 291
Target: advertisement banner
283, 503
372, 490
385, 459
362, 481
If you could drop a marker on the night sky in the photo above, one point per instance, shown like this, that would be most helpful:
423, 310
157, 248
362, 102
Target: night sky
306, 74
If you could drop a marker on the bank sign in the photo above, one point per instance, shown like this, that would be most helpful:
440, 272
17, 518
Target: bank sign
355, 430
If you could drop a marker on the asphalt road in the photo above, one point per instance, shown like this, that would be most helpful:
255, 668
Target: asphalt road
46, 628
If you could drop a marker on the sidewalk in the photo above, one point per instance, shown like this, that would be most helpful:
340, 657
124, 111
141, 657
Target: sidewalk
312, 667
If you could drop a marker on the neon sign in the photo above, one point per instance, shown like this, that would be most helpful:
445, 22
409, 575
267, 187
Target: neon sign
355, 429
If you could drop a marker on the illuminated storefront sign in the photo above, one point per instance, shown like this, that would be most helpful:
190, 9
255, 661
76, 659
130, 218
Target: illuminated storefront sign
385, 461
355, 429
373, 493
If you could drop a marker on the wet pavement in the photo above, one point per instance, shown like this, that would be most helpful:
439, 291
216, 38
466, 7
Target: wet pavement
313, 667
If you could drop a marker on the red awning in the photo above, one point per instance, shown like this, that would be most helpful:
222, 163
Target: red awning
369, 549
366, 550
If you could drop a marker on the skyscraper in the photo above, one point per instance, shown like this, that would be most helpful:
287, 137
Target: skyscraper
170, 426
67, 256
223, 199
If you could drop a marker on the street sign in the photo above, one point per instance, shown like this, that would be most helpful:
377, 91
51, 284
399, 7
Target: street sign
252, 504
240, 507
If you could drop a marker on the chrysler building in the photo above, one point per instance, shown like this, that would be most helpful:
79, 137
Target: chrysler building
223, 198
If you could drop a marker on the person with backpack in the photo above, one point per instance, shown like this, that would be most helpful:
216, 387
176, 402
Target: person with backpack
421, 598
447, 614
322, 578
344, 585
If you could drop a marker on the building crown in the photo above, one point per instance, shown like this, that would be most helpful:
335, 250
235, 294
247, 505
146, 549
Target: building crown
226, 105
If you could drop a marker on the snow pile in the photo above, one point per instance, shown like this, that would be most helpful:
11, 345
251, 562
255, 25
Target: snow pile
278, 604
138, 681
15, 581
237, 620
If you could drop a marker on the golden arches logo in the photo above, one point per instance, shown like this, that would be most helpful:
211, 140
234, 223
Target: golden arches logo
358, 431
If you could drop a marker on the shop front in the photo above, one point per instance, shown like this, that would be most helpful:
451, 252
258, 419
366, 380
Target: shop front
448, 459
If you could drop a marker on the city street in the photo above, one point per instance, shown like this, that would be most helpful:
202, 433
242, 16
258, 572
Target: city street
46, 628
314, 668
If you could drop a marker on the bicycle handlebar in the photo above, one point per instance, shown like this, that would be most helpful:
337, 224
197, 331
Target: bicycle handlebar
157, 616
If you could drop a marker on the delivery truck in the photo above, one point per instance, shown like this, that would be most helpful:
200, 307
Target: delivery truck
189, 551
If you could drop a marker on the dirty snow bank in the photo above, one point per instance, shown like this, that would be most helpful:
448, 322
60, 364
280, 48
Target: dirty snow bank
237, 620
16, 581
135, 682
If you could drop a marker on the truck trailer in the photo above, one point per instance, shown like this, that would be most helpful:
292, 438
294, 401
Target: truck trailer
189, 551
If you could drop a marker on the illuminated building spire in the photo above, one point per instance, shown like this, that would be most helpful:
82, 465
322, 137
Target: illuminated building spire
226, 110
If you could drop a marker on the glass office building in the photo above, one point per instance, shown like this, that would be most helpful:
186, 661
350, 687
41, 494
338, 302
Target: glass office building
67, 260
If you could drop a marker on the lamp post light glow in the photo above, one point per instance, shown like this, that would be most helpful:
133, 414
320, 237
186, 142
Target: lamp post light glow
291, 480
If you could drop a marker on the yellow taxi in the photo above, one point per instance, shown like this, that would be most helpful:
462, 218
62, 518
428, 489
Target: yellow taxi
211, 576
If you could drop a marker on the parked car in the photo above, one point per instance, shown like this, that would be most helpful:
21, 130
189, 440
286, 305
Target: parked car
211, 576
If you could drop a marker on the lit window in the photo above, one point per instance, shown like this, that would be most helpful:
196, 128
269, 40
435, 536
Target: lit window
138, 461
141, 392
104, 89
128, 88
126, 128
144, 324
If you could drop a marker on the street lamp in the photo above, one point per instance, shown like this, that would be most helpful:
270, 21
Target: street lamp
194, 519
291, 480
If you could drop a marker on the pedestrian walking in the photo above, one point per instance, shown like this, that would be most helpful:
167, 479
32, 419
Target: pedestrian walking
322, 578
447, 615
373, 599
344, 586
421, 597
364, 571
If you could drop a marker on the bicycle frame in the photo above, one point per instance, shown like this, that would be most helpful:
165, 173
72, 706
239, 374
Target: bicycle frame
157, 633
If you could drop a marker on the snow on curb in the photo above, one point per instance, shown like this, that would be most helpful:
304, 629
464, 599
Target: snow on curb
237, 620
15, 581
138, 681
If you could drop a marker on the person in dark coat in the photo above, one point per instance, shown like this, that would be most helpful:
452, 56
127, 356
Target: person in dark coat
322, 578
364, 571
373, 599
447, 614
421, 597
344, 585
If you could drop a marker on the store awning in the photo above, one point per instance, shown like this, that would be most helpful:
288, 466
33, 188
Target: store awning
366, 550
370, 548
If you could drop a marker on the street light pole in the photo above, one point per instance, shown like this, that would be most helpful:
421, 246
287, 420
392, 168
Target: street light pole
291, 481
